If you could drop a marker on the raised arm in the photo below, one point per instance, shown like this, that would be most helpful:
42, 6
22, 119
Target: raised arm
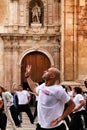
31, 83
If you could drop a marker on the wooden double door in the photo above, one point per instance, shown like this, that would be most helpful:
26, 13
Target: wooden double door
39, 62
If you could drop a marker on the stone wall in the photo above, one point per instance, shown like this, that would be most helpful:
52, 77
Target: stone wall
75, 55
3, 11
62, 35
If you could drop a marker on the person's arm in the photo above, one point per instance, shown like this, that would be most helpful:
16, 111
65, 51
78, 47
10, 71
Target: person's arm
30, 82
82, 104
1, 103
32, 93
69, 109
9, 99
29, 98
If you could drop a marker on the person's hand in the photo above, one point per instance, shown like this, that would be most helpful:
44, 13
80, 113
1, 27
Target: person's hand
55, 122
28, 70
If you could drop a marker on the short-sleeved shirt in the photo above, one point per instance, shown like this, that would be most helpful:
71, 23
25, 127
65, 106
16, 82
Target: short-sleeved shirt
23, 97
77, 100
51, 101
7, 98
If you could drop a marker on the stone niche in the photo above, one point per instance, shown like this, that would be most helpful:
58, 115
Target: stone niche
36, 13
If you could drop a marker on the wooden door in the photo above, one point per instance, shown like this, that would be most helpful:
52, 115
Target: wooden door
39, 62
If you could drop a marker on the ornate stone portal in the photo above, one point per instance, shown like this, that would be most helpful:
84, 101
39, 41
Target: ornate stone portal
30, 29
58, 31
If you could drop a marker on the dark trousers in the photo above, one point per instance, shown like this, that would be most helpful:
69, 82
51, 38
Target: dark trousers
3, 120
14, 115
79, 121
67, 121
35, 112
26, 108
61, 127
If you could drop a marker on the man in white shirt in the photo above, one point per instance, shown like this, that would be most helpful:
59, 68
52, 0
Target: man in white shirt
51, 100
23, 102
79, 113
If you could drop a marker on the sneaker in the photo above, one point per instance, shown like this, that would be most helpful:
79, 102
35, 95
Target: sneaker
19, 125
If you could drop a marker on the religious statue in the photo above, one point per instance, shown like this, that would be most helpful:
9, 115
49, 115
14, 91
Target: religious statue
36, 13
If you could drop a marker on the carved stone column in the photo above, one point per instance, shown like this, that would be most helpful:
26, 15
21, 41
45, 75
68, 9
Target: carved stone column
15, 18
57, 57
15, 60
7, 63
45, 13
50, 12
56, 12
10, 13
62, 42
75, 41
1, 62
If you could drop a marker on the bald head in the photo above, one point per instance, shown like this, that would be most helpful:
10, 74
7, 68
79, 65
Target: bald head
55, 71
51, 74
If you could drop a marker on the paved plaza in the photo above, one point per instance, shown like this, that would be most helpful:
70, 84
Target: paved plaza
26, 125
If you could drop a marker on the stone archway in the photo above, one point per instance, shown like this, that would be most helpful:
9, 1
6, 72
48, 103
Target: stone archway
39, 62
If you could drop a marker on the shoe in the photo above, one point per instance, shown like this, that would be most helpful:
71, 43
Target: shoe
32, 122
21, 121
19, 125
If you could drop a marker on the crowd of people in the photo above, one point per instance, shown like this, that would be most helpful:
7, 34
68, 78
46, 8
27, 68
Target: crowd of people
57, 107
12, 104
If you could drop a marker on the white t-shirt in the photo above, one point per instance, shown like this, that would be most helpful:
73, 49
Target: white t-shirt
77, 100
51, 101
70, 94
23, 97
7, 98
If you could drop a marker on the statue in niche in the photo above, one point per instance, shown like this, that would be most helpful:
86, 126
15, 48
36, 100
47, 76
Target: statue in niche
36, 13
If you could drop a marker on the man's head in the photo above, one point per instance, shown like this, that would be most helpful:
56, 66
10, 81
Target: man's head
20, 87
51, 74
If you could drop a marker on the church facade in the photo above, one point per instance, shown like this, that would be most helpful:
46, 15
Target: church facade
43, 33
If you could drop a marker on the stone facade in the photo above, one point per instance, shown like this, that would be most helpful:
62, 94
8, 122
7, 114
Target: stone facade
75, 61
60, 35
